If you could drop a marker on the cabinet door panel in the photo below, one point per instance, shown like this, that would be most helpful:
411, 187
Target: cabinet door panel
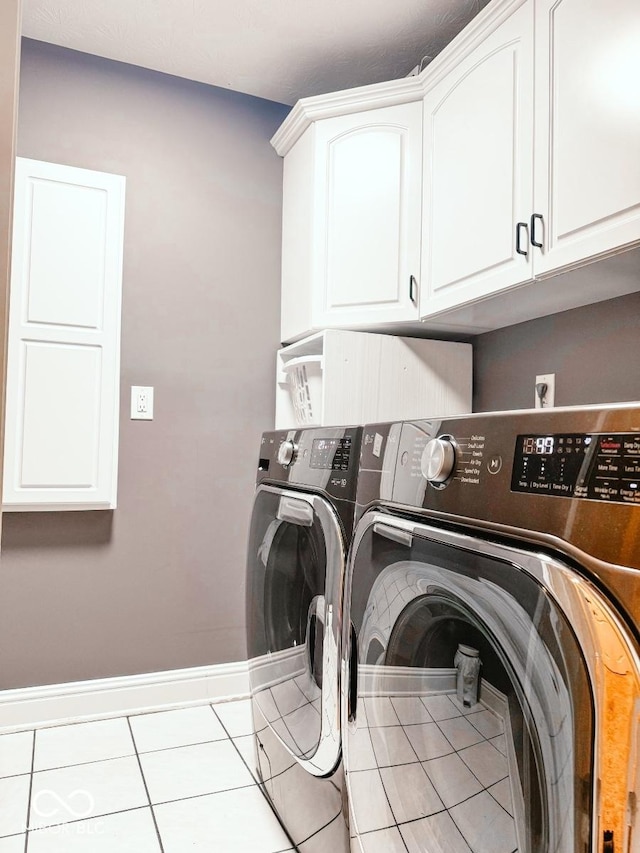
368, 215
478, 181
588, 128
66, 252
61, 391
61, 441
363, 251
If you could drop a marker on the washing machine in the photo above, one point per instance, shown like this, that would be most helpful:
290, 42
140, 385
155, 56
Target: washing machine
490, 657
301, 528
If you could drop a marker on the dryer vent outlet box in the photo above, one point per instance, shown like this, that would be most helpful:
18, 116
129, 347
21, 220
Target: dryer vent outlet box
341, 377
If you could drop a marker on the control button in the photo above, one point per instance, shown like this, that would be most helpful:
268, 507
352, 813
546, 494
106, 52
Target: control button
286, 452
494, 464
438, 460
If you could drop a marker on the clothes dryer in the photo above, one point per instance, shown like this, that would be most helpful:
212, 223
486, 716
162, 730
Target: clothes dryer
491, 635
301, 528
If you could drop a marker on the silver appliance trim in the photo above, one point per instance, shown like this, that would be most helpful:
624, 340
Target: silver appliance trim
611, 656
327, 755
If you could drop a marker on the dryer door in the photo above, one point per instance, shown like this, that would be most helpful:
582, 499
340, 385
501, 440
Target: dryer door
295, 573
495, 699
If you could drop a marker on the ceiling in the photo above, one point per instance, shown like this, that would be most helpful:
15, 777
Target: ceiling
281, 50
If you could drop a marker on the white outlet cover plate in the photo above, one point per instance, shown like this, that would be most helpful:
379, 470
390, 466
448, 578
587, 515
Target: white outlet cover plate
550, 397
141, 403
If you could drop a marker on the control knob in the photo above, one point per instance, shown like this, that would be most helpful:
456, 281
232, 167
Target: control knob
286, 452
438, 460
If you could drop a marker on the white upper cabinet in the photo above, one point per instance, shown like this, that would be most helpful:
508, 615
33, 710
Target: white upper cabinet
61, 438
478, 178
587, 173
530, 171
532, 166
368, 182
351, 221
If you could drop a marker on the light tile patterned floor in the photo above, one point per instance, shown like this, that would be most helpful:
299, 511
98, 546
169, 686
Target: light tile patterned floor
426, 773
165, 782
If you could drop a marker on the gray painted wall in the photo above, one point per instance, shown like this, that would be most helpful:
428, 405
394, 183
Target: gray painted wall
594, 352
10, 20
158, 584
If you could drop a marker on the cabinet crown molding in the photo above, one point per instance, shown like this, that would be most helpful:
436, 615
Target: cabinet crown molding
308, 110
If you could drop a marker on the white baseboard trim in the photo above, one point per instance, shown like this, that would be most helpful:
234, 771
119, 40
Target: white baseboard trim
56, 704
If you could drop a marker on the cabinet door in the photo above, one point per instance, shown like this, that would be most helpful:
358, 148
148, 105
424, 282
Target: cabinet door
64, 339
296, 317
367, 217
478, 169
587, 129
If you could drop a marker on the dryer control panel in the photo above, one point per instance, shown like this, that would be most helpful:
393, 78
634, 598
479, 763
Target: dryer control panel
572, 474
596, 466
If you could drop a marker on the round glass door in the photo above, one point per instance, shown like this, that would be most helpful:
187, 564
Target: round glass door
472, 725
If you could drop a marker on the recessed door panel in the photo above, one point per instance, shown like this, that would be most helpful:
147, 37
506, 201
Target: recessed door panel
61, 408
365, 209
66, 254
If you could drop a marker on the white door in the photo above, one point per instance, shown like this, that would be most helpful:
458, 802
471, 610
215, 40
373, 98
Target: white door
64, 339
478, 163
367, 216
587, 81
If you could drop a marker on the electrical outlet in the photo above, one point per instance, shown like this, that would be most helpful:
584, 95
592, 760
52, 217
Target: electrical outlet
141, 403
547, 399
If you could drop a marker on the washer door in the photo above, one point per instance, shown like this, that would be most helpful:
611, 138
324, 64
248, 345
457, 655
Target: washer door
295, 573
494, 699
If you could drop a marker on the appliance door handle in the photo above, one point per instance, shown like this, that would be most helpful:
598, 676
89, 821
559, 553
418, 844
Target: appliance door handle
315, 623
535, 242
295, 511
402, 537
352, 697
519, 227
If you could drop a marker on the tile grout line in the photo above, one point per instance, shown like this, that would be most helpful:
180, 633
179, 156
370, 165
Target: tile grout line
144, 782
84, 819
116, 757
27, 822
242, 758
256, 782
253, 734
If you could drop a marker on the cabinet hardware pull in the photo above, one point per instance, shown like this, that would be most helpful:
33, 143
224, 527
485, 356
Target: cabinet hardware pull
607, 842
519, 249
413, 289
535, 216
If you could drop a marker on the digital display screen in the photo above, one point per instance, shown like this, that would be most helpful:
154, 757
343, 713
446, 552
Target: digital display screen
604, 467
330, 454
538, 444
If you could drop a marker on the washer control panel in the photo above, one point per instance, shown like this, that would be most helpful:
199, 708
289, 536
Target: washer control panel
331, 454
323, 458
596, 466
